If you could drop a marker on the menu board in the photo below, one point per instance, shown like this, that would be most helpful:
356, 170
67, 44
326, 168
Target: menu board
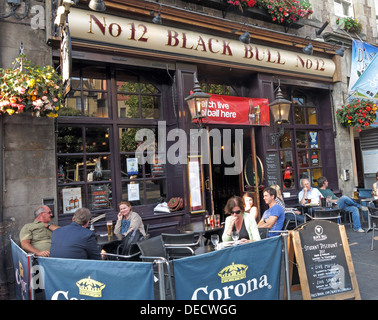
273, 171
324, 262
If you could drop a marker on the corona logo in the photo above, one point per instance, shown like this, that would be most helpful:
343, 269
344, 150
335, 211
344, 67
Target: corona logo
21, 269
233, 272
90, 287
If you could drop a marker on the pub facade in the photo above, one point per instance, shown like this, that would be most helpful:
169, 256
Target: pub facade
129, 81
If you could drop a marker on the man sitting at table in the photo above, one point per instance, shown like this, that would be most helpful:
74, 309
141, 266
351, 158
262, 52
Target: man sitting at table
274, 217
344, 203
75, 241
308, 192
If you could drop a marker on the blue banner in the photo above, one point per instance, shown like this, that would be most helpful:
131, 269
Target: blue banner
75, 279
245, 272
367, 83
21, 266
362, 54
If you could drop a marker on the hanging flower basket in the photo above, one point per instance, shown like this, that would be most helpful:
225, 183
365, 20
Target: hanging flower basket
281, 11
30, 88
358, 114
349, 24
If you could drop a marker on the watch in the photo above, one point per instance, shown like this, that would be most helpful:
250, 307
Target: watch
264, 220
48, 226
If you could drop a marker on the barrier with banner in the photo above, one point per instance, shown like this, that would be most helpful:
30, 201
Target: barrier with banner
72, 279
245, 272
22, 267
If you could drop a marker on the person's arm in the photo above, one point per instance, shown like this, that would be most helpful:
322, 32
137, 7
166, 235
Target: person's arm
253, 231
117, 227
254, 212
227, 233
26, 245
92, 249
267, 222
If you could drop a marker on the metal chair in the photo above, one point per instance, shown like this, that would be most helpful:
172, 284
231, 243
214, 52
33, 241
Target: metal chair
329, 214
179, 245
153, 250
264, 232
373, 216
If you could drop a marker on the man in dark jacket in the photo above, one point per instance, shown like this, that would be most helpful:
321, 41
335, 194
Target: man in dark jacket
75, 241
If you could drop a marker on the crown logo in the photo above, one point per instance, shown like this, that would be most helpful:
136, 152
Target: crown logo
90, 287
233, 272
21, 269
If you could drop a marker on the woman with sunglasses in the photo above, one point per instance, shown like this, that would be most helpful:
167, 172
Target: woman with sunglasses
243, 222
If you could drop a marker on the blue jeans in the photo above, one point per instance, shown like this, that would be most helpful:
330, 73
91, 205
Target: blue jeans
347, 204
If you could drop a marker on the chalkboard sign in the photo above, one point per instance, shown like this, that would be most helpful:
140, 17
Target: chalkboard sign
273, 170
324, 261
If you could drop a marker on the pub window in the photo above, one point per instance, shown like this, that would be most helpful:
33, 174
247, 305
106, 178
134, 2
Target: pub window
344, 8
214, 88
136, 98
89, 94
94, 153
84, 168
142, 173
300, 149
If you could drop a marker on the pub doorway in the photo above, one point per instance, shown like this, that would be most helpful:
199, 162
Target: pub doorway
225, 185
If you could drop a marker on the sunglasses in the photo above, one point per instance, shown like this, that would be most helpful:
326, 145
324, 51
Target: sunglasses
235, 212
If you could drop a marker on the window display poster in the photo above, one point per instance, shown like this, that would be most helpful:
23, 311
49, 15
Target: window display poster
71, 199
132, 166
314, 139
133, 191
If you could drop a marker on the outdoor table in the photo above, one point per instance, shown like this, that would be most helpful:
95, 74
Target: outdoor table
200, 228
105, 240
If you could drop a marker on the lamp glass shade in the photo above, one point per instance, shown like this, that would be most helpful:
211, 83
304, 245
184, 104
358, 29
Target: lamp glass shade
198, 102
198, 106
280, 108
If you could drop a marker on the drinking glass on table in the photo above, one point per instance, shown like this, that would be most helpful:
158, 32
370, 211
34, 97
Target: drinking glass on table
109, 225
215, 240
235, 235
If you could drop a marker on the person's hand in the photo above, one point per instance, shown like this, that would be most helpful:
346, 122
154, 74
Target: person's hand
119, 216
43, 253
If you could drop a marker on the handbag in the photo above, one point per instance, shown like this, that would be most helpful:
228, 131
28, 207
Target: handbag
175, 204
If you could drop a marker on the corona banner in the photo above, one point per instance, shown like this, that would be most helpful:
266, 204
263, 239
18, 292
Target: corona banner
245, 272
75, 279
22, 266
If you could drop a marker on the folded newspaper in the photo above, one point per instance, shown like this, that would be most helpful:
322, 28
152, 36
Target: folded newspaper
161, 208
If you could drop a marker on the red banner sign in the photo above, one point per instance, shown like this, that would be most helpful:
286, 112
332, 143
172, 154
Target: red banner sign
237, 111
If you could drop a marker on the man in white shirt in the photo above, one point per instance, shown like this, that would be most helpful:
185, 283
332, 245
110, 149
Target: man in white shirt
308, 193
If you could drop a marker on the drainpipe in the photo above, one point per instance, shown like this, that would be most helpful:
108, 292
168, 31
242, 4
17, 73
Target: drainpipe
3, 273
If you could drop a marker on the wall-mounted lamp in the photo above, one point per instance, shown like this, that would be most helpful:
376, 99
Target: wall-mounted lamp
245, 37
157, 19
309, 49
280, 109
198, 102
97, 5
340, 51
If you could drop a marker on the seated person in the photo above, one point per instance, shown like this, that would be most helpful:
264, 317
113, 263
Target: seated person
128, 220
75, 241
344, 203
240, 221
308, 193
35, 237
291, 214
375, 187
248, 204
274, 217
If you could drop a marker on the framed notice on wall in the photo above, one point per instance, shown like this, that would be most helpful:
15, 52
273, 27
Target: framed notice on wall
71, 199
196, 185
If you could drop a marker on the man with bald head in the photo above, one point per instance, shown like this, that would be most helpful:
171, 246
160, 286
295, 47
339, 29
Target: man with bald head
35, 237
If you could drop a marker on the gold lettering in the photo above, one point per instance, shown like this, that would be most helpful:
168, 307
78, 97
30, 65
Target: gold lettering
201, 43
257, 55
173, 40
226, 48
184, 38
269, 57
97, 22
118, 29
211, 45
